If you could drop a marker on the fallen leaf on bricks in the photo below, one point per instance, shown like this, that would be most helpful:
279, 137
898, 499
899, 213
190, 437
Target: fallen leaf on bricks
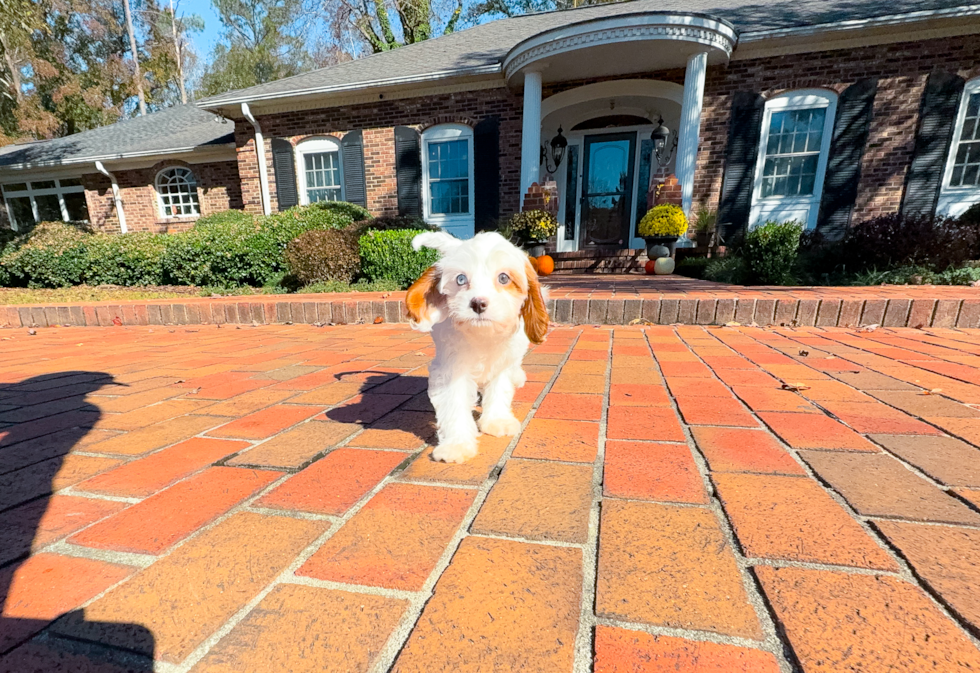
870, 328
934, 391
117, 321
733, 324
804, 353
32, 331
378, 320
796, 387
635, 321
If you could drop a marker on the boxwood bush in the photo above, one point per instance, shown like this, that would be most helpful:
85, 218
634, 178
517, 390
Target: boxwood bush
770, 251
127, 259
388, 255
52, 254
322, 256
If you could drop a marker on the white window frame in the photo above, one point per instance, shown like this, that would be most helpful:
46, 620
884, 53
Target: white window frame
800, 208
461, 225
316, 146
953, 201
32, 192
160, 205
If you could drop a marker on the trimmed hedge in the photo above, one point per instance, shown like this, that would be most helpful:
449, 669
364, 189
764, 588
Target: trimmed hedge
388, 255
770, 251
323, 256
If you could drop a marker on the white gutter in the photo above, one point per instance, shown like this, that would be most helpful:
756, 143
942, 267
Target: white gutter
120, 213
260, 152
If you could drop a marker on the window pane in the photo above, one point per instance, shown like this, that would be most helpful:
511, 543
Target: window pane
17, 187
43, 184
48, 208
21, 210
327, 194
77, 208
70, 182
449, 160
322, 176
450, 197
792, 152
965, 168
178, 192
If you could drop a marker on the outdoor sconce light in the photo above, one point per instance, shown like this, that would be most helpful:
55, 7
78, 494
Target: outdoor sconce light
558, 146
660, 136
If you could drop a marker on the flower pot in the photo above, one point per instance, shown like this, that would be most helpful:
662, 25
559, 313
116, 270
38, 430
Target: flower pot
654, 242
534, 248
704, 238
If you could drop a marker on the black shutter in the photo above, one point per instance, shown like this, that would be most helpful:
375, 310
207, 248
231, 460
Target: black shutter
744, 130
486, 170
352, 149
282, 163
851, 127
937, 113
408, 171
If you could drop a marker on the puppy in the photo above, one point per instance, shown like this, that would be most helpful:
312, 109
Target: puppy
484, 305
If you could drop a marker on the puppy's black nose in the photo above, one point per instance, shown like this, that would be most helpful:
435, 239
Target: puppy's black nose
478, 304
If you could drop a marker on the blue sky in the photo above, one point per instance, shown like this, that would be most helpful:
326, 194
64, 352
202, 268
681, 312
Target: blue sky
212, 26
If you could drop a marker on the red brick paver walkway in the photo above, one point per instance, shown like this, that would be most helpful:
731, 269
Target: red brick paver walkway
685, 499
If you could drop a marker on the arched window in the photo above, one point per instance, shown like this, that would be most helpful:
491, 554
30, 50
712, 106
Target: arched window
447, 177
177, 189
321, 171
961, 181
789, 174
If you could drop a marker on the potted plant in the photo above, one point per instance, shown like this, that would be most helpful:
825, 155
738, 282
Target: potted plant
533, 228
661, 227
704, 226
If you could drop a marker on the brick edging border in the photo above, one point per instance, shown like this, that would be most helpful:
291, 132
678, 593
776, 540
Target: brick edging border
823, 312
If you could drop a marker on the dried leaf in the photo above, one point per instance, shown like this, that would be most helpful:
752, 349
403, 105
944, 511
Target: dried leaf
32, 331
804, 353
733, 324
117, 321
796, 387
378, 320
639, 321
934, 391
870, 328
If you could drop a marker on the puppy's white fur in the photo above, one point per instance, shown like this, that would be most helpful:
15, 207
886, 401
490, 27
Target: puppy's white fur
484, 305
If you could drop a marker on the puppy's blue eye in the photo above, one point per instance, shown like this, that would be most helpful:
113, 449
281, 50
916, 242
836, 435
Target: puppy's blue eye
461, 279
503, 279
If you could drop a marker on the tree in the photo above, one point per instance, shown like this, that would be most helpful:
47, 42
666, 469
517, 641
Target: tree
507, 8
138, 79
265, 41
171, 54
372, 23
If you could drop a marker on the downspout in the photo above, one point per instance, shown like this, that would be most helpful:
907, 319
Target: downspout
260, 151
120, 213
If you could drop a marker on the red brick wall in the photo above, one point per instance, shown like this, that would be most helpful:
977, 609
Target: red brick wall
218, 188
902, 69
378, 120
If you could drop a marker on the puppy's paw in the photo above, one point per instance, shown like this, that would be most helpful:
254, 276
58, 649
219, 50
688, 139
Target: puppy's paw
458, 452
501, 426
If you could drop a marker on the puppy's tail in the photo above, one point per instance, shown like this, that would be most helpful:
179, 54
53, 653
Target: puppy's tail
437, 240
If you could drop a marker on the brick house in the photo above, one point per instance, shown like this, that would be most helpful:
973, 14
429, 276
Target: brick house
824, 111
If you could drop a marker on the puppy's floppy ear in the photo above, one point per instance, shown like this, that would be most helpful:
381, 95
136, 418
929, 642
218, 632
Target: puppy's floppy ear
437, 240
534, 311
425, 305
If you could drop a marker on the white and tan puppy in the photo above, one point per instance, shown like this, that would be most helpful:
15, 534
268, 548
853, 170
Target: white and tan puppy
484, 305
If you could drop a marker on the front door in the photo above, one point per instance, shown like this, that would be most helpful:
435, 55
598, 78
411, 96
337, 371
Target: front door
607, 190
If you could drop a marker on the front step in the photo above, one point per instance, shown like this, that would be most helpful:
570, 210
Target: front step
599, 261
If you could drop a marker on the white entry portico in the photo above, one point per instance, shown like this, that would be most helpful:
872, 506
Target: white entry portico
607, 123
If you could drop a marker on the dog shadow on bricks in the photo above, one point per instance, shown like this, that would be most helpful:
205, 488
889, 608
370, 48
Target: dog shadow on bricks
388, 401
35, 634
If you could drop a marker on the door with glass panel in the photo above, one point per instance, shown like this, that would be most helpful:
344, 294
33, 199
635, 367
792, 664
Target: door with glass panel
792, 159
607, 190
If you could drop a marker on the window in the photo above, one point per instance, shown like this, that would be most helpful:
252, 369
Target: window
61, 199
447, 175
321, 175
966, 151
795, 142
177, 189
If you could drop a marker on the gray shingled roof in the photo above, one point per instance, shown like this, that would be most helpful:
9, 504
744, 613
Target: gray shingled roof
483, 48
178, 128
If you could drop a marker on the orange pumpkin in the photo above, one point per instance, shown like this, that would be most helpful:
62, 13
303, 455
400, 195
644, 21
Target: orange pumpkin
534, 263
650, 266
545, 265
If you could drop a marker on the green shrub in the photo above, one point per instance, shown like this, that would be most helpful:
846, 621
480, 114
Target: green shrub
52, 254
126, 259
395, 222
972, 215
354, 212
388, 255
730, 269
222, 251
319, 256
893, 241
770, 252
692, 267
362, 285
918, 275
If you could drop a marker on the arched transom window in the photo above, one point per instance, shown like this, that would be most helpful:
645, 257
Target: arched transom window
177, 189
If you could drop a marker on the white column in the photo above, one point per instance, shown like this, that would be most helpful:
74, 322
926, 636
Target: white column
687, 139
531, 132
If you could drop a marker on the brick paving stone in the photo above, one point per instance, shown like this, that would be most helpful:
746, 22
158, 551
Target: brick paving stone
48, 476
964, 428
158, 435
43, 521
945, 459
670, 566
922, 406
305, 629
947, 558
815, 431
59, 655
138, 418
838, 622
473, 471
971, 495
650, 471
395, 540
295, 447
585, 384
637, 395
154, 524
696, 388
758, 398
621, 651
714, 411
874, 417
267, 422
644, 423
501, 605
334, 483
401, 429
879, 485
743, 450
562, 406
47, 585
365, 408
539, 501
574, 441
793, 519
332, 393
248, 402
185, 596
145, 476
